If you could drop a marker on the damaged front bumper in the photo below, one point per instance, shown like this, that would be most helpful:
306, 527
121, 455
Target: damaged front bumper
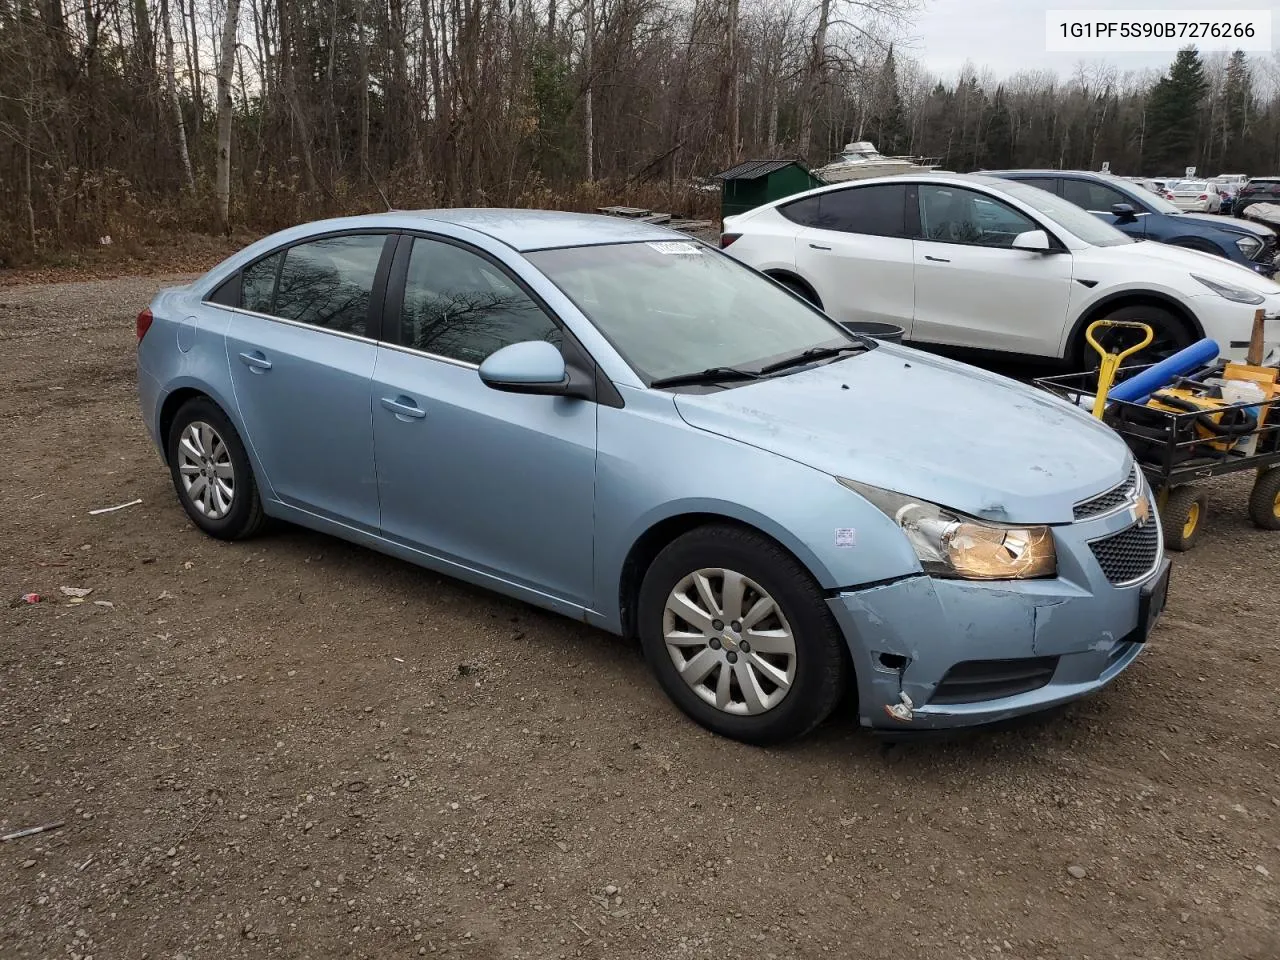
934, 653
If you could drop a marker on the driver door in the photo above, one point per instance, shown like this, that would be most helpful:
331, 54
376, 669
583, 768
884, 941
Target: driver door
502, 484
973, 289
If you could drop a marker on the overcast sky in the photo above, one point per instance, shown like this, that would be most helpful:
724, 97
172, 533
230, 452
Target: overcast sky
1008, 35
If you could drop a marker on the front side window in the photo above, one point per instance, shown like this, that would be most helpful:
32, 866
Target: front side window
676, 307
955, 215
1094, 197
328, 283
1067, 215
461, 306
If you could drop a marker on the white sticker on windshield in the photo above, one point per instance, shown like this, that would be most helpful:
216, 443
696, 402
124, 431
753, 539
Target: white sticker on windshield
846, 537
675, 246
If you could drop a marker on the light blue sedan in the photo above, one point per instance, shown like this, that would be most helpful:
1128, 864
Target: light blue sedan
618, 423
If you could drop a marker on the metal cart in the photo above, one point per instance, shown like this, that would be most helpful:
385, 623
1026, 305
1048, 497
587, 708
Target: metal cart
1176, 450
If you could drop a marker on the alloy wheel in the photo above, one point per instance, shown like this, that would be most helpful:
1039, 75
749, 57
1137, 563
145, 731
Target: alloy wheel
730, 641
208, 476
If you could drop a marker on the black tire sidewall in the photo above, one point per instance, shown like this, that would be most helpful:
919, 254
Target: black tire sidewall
820, 654
1164, 320
240, 518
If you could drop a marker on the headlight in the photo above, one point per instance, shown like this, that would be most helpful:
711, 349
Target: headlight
951, 545
1249, 246
1234, 294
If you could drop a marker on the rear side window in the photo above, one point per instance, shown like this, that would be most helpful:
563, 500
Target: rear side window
1044, 183
803, 212
259, 284
328, 283
877, 211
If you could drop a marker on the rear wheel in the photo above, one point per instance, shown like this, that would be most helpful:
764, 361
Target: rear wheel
211, 472
1183, 517
1264, 500
1169, 335
738, 634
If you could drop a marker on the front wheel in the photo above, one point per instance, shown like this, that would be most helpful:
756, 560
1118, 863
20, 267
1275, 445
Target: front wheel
1264, 500
1169, 335
738, 634
1183, 517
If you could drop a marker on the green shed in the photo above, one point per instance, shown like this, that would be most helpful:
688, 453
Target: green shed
755, 182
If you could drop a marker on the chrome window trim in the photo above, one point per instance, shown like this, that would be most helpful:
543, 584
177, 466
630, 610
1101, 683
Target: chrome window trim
414, 351
359, 338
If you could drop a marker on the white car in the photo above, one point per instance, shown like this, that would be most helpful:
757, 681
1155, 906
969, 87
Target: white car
1196, 196
976, 262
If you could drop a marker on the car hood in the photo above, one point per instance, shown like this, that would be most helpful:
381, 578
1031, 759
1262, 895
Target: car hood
1230, 225
927, 427
1153, 253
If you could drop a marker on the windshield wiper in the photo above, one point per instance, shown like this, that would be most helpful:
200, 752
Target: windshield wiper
709, 375
813, 353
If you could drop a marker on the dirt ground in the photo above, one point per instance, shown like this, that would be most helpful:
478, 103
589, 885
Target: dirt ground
295, 747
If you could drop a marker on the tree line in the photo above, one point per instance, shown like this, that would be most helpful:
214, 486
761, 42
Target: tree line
123, 117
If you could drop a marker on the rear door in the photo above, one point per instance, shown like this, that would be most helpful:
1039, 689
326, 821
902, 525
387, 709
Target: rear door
973, 289
301, 348
855, 252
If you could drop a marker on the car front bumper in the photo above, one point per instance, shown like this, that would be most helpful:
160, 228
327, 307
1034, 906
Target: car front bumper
1230, 323
933, 653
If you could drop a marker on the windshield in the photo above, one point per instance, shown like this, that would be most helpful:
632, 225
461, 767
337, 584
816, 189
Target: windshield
1156, 201
1192, 186
678, 307
1075, 219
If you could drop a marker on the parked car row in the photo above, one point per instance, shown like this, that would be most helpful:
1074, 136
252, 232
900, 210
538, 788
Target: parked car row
626, 426
1007, 263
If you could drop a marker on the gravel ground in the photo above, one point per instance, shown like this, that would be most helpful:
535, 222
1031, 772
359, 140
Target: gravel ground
296, 747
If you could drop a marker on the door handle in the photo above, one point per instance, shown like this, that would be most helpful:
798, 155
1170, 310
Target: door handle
937, 259
404, 408
255, 361
818, 246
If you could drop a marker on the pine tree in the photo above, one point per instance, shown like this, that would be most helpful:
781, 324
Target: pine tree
997, 144
888, 123
1237, 103
1173, 114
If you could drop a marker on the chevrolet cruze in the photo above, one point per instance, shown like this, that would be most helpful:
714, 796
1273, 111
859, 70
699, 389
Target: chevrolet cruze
615, 422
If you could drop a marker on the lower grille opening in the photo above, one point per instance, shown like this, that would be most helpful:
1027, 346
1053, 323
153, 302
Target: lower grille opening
973, 681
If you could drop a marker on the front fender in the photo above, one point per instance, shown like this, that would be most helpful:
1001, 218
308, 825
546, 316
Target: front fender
651, 467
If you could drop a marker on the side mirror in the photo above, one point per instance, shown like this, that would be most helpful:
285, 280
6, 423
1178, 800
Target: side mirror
1035, 241
1124, 212
534, 366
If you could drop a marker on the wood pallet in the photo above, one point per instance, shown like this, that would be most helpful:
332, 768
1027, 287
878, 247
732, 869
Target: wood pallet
648, 216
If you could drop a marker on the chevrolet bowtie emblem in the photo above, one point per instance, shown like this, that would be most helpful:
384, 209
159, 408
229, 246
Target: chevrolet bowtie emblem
1142, 511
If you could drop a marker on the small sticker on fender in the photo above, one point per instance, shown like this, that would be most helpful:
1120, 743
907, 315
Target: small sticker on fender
846, 537
675, 246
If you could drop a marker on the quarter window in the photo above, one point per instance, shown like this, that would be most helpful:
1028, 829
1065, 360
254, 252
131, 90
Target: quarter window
956, 215
328, 283
461, 306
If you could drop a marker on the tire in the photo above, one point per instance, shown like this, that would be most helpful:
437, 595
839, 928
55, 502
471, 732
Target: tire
1183, 517
758, 712
1264, 500
1171, 335
800, 289
226, 464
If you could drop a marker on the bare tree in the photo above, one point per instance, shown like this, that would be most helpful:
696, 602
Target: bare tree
225, 107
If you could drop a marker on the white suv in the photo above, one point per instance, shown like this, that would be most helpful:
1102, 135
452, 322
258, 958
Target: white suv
982, 263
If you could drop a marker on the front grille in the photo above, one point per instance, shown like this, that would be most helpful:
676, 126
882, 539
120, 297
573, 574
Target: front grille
1106, 502
973, 681
1129, 554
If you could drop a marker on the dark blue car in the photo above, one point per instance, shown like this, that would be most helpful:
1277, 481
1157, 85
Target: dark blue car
1145, 216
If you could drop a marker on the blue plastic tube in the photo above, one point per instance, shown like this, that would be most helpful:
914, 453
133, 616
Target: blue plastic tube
1140, 386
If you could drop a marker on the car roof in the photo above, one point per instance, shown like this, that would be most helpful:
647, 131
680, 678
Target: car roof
522, 230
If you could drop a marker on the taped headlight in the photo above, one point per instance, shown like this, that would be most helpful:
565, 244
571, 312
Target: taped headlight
951, 545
